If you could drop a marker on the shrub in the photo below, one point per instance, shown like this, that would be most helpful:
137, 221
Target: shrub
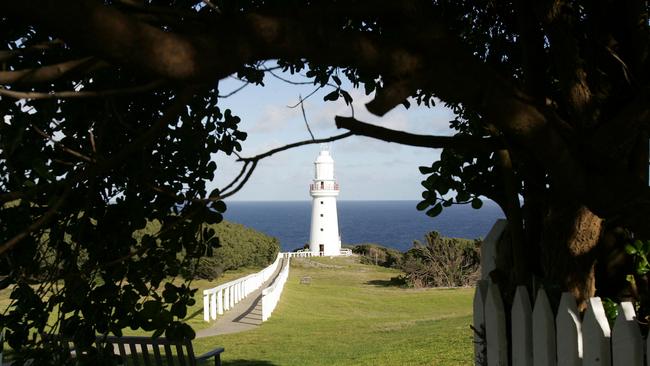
442, 262
239, 246
207, 268
378, 255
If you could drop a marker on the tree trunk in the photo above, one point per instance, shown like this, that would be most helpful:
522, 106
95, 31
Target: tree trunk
568, 256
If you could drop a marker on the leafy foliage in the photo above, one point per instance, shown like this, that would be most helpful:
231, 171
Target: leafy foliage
459, 173
561, 88
441, 262
116, 169
239, 246
378, 255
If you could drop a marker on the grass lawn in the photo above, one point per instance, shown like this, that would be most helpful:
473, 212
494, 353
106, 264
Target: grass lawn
350, 315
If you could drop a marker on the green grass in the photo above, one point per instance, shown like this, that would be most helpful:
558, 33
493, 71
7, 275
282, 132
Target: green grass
349, 315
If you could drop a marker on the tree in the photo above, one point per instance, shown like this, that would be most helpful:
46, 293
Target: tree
551, 101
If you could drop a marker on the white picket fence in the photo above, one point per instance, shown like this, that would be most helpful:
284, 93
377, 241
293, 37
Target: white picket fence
346, 252
298, 254
222, 298
541, 339
271, 294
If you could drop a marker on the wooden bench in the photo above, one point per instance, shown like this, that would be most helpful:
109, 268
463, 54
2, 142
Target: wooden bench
147, 351
157, 349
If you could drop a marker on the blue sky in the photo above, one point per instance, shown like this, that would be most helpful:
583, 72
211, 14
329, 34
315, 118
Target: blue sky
367, 169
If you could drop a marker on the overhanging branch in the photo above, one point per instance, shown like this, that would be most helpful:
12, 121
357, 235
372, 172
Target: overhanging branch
437, 142
250, 163
50, 72
295, 144
80, 94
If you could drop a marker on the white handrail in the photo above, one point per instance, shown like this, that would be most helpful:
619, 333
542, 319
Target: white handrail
297, 254
222, 298
271, 294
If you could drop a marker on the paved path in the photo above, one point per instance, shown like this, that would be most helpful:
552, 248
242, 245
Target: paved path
244, 316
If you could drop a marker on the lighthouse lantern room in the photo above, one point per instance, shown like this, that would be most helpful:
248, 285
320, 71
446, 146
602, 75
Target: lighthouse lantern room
324, 238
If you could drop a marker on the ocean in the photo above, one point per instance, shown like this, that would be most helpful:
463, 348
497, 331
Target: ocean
394, 224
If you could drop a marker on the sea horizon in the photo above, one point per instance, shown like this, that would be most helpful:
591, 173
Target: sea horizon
391, 223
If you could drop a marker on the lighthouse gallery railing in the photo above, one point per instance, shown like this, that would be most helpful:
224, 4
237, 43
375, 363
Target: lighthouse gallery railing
324, 186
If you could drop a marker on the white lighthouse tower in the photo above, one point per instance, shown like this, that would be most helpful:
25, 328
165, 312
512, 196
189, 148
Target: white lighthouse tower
324, 238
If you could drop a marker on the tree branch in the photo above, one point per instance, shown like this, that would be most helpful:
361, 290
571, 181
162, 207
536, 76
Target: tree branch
72, 152
253, 160
6, 55
81, 94
50, 72
438, 142
43, 220
241, 184
295, 144
11, 196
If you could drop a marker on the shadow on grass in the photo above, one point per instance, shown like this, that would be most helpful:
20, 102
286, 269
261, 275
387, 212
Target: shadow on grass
194, 315
248, 363
393, 282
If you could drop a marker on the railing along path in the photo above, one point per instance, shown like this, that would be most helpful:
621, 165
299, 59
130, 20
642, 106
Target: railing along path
271, 294
224, 297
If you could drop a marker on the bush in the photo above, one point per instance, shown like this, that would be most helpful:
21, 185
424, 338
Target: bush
442, 261
208, 268
378, 255
240, 246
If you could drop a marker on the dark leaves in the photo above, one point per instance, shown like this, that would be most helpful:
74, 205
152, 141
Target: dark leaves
333, 96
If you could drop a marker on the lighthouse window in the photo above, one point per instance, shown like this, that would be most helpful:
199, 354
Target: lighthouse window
321, 215
321, 229
321, 202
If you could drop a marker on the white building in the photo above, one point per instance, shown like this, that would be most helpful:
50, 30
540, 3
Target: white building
324, 238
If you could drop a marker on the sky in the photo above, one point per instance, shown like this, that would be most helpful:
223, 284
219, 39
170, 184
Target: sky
366, 168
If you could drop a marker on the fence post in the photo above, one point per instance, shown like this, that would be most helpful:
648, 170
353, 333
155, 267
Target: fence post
627, 345
489, 248
206, 308
231, 295
522, 342
220, 301
213, 305
226, 298
596, 335
479, 322
495, 328
544, 348
569, 336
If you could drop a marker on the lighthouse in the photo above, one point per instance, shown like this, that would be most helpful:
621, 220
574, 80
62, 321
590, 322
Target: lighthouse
324, 237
